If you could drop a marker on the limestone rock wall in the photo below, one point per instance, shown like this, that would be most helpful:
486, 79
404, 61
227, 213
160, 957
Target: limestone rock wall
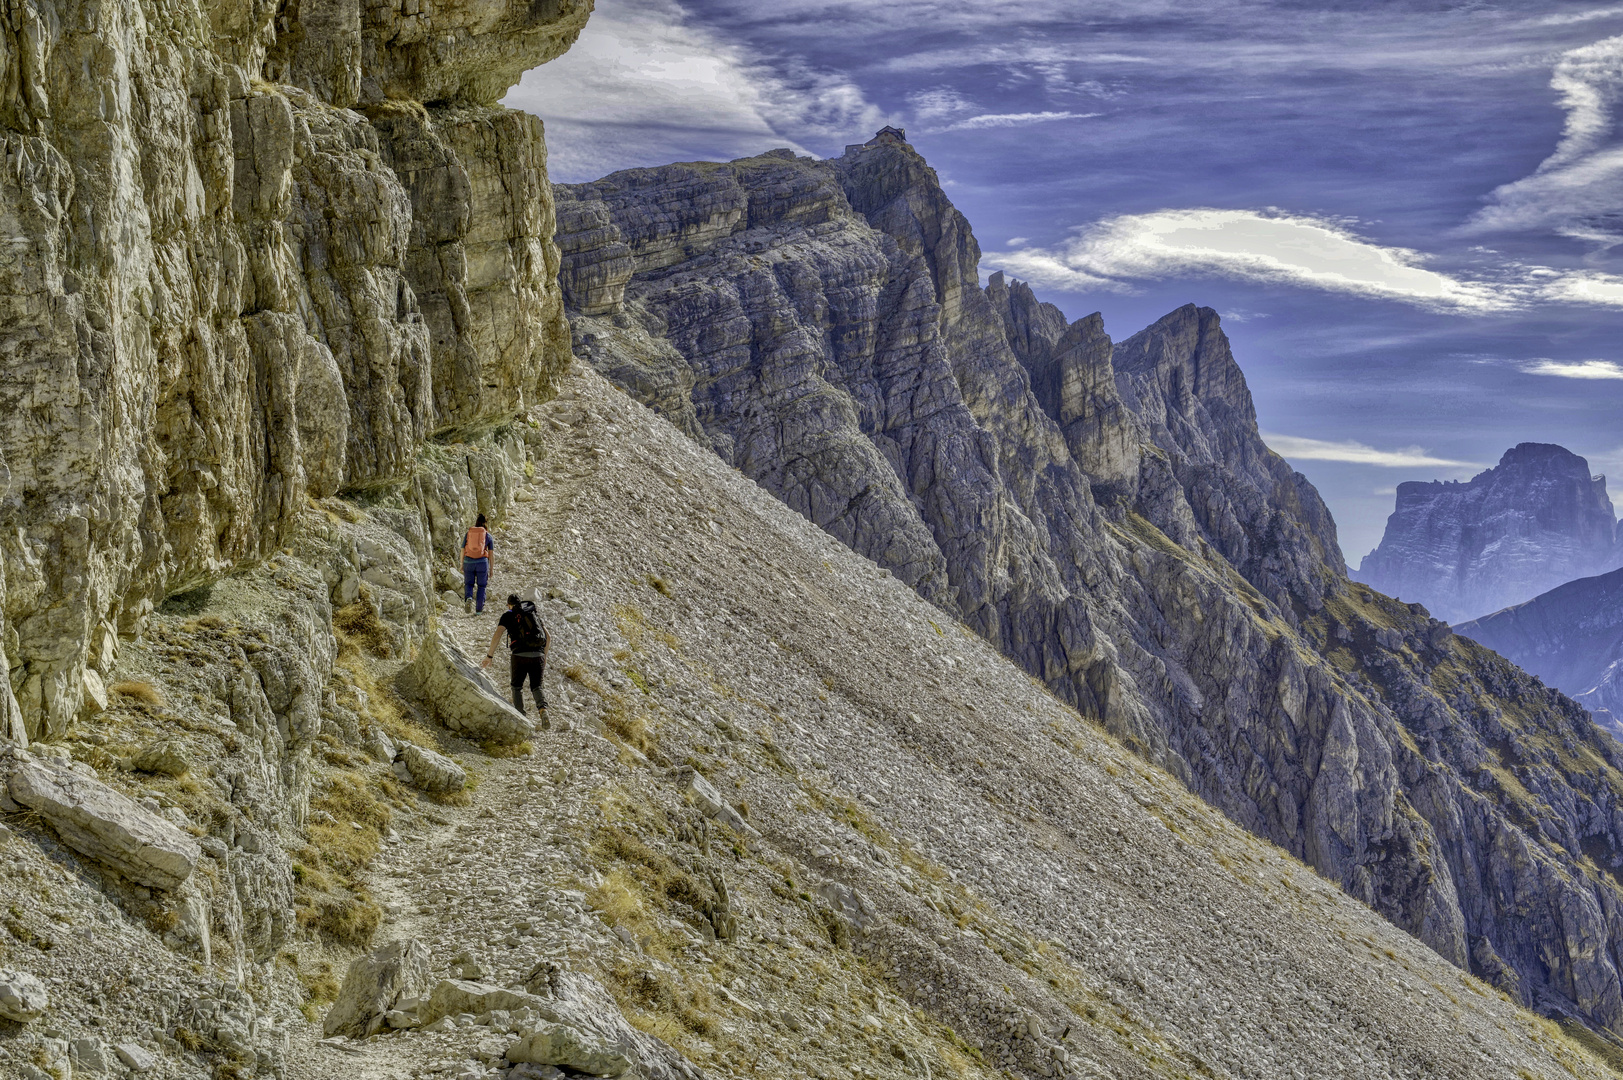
1110, 518
227, 292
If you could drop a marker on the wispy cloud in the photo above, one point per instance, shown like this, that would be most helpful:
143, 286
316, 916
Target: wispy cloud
998, 120
1576, 369
938, 102
645, 85
1408, 457
1577, 190
1279, 248
1269, 246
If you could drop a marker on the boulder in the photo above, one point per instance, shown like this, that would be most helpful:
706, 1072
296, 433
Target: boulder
103, 825
95, 695
430, 771
569, 1047
136, 1058
704, 795
166, 757
22, 996
848, 903
462, 696
373, 986
530, 1071
380, 746
452, 997
89, 1055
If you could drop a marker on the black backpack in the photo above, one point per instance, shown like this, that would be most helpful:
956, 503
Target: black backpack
528, 635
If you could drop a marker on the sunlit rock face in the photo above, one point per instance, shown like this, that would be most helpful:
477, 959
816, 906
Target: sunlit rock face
1108, 515
229, 291
1465, 549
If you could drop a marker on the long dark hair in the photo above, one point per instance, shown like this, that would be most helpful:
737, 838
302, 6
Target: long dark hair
479, 522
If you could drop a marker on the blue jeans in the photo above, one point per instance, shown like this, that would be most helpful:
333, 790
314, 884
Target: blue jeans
475, 574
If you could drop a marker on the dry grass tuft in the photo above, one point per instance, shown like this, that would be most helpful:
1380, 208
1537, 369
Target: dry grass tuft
659, 1006
358, 627
506, 750
138, 690
342, 846
383, 707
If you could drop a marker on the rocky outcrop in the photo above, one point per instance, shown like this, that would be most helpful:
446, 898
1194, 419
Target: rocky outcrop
1571, 637
258, 256
1074, 381
1110, 518
462, 696
101, 824
1465, 549
22, 997
374, 984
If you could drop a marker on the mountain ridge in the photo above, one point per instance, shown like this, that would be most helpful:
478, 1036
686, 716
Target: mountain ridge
1191, 595
287, 312
1571, 636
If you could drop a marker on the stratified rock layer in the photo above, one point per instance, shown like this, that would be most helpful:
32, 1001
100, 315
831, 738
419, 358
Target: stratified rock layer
227, 292
1466, 549
1110, 518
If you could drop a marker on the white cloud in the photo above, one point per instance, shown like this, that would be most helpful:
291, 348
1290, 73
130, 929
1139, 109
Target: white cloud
1579, 17
1269, 246
1586, 287
1017, 241
1409, 457
645, 86
1576, 369
934, 104
997, 120
1576, 191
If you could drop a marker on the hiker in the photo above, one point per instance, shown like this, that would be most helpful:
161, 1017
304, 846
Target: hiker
478, 556
529, 641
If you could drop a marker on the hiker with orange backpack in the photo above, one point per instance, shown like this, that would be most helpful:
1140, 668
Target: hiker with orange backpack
478, 557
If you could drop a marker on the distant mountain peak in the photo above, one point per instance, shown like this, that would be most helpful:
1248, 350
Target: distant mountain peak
1464, 549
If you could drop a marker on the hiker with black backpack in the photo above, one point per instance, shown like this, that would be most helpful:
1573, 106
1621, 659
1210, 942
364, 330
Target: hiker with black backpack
478, 557
528, 642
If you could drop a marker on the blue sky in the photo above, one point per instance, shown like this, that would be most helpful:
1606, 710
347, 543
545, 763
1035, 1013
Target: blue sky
1408, 213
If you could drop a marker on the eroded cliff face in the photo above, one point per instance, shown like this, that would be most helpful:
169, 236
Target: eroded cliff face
1533, 521
1109, 517
247, 266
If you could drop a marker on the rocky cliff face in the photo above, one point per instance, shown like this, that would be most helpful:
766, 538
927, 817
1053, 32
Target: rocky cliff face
1110, 519
1535, 520
1571, 637
257, 254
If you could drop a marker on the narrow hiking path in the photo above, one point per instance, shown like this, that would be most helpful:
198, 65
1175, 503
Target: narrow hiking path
497, 879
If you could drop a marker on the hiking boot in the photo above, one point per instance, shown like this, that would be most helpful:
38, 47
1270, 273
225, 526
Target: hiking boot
467, 605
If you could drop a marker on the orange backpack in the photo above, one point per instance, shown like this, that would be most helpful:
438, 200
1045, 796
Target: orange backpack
473, 545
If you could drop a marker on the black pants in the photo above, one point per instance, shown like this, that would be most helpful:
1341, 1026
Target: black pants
530, 667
